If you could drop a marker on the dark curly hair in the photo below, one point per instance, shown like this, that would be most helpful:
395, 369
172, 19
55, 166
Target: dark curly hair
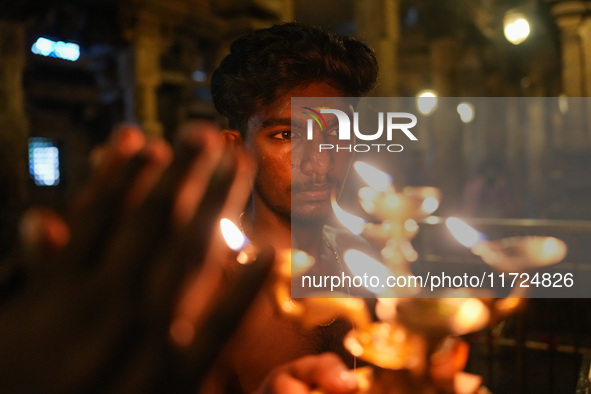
267, 63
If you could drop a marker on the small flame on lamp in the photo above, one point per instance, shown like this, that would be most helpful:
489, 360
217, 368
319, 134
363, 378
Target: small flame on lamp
430, 205
235, 239
552, 247
300, 262
472, 314
362, 265
353, 223
411, 225
465, 234
377, 179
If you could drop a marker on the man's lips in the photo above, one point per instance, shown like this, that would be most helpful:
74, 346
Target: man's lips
315, 193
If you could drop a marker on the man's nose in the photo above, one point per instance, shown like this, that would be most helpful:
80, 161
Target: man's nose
314, 161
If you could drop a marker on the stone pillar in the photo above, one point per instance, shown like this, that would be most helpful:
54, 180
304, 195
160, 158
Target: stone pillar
576, 69
14, 131
443, 56
449, 168
378, 25
585, 34
447, 134
569, 17
148, 42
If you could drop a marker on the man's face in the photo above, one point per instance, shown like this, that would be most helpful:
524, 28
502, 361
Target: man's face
294, 179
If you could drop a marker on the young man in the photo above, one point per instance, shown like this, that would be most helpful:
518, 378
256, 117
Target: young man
290, 203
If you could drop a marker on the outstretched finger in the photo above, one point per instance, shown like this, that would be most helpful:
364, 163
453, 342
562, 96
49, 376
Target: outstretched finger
147, 236
93, 227
109, 159
207, 341
325, 373
190, 249
43, 233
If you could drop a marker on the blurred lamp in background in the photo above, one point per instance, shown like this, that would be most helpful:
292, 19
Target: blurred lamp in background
516, 27
44, 161
63, 50
426, 102
466, 112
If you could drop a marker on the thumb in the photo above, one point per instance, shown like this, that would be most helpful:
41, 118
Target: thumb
43, 233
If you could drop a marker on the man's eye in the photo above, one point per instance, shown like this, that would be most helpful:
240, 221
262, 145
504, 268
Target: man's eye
283, 135
333, 132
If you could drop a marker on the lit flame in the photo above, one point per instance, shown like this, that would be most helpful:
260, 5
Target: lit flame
426, 102
430, 205
293, 262
552, 247
508, 305
235, 239
411, 225
377, 179
465, 234
472, 315
353, 223
466, 112
361, 265
544, 251
516, 27
300, 262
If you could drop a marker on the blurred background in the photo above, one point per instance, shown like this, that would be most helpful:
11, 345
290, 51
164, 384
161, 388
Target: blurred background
70, 71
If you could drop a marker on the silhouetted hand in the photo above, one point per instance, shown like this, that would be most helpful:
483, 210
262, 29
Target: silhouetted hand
324, 373
96, 312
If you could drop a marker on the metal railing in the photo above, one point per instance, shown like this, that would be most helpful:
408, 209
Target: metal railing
546, 348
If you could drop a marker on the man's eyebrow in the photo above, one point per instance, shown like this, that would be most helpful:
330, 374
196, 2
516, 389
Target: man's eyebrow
332, 122
280, 122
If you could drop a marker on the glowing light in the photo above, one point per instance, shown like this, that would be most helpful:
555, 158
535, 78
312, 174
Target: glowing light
411, 225
550, 250
233, 236
507, 305
353, 345
430, 205
44, 161
63, 50
472, 314
551, 247
432, 220
376, 179
466, 111
199, 75
353, 223
465, 234
516, 27
427, 102
362, 265
563, 104
300, 262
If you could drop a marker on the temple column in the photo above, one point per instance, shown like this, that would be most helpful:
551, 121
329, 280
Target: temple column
148, 44
569, 17
444, 54
575, 29
378, 26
